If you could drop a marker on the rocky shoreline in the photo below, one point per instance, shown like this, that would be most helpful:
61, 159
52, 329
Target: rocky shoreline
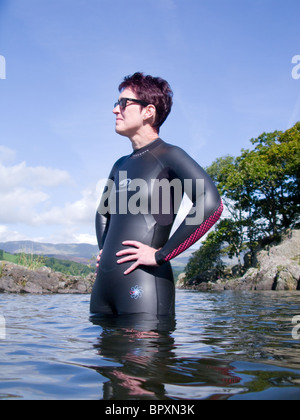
277, 268
18, 279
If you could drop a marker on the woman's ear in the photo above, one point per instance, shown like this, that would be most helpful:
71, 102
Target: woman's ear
149, 113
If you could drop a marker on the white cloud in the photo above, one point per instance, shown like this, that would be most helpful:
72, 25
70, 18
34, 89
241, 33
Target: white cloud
7, 235
85, 238
23, 188
70, 234
29, 203
7, 155
19, 205
21, 175
80, 212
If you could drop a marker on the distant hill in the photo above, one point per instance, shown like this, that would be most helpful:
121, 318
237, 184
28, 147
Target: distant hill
74, 252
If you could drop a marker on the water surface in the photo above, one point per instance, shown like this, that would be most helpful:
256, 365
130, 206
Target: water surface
228, 345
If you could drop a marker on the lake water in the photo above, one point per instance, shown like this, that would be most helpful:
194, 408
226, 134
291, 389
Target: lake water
228, 345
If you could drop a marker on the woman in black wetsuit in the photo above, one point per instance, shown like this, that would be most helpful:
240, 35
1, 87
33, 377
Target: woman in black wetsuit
140, 203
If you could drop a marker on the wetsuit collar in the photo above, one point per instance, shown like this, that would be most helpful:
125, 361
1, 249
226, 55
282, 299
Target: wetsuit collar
147, 148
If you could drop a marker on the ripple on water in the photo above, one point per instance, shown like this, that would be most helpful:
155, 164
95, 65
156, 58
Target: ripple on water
227, 345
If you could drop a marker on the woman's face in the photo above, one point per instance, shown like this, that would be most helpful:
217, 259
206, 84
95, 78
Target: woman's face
130, 119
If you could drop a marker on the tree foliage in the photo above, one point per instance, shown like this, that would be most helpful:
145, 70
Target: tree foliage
209, 257
261, 192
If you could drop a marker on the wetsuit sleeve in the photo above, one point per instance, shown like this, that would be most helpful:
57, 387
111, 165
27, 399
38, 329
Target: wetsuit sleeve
103, 212
103, 217
207, 206
102, 226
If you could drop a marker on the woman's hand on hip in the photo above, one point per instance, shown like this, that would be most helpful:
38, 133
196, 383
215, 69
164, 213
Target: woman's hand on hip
140, 253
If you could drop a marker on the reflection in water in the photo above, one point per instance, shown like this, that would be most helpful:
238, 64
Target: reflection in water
146, 367
229, 345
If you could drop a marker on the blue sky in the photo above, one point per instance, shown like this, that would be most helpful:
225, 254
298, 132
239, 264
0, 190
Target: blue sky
229, 63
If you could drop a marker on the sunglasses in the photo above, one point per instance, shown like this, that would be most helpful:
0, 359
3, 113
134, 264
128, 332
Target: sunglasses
122, 103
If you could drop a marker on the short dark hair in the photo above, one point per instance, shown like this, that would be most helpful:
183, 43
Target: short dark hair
154, 90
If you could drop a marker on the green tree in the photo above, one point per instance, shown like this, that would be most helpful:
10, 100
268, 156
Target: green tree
272, 172
234, 188
279, 182
208, 257
261, 192
261, 187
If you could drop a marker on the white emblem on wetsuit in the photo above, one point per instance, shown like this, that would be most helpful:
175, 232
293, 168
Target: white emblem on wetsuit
123, 185
136, 292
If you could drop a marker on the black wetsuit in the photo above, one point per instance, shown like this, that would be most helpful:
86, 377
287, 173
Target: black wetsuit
133, 208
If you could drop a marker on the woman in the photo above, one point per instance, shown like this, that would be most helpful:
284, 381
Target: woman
140, 203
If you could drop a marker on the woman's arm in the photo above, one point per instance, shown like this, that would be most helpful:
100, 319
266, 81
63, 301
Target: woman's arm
206, 211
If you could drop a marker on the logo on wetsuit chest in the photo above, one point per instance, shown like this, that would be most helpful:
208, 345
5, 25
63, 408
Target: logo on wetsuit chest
124, 184
136, 292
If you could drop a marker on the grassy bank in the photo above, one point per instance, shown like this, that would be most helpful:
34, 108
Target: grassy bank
34, 262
